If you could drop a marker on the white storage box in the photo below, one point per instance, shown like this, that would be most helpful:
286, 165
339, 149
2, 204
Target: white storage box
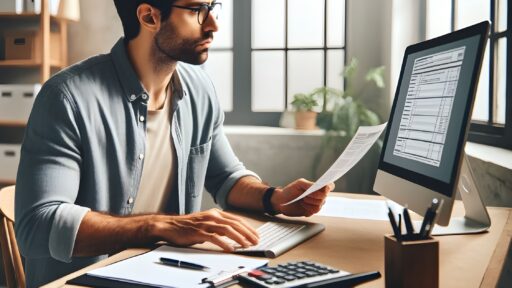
9, 160
16, 101
11, 6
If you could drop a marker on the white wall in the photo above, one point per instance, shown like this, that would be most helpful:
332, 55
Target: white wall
98, 30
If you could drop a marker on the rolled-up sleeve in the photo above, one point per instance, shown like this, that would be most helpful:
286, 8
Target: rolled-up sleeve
224, 168
48, 178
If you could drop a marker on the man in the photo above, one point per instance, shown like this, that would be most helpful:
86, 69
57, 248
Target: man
119, 147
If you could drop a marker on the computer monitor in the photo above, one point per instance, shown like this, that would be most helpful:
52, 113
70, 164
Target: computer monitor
423, 150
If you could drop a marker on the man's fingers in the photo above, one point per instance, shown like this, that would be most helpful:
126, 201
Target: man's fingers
240, 222
310, 209
314, 201
217, 240
228, 231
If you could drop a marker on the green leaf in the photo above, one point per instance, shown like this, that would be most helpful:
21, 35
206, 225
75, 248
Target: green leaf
377, 76
353, 118
369, 117
350, 69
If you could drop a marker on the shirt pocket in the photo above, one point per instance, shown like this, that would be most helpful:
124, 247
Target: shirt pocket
196, 170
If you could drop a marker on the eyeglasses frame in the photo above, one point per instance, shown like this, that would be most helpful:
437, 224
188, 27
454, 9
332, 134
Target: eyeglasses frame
198, 10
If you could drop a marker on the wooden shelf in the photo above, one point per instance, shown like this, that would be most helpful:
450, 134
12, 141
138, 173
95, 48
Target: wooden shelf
4, 182
28, 63
10, 123
26, 15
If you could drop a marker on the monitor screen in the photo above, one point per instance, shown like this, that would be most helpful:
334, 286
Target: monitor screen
431, 109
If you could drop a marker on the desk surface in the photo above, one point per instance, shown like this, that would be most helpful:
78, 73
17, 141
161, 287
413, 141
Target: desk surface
358, 245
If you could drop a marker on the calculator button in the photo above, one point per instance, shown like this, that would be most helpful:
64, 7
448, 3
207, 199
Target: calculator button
323, 272
333, 271
300, 275
301, 270
311, 273
268, 270
269, 282
290, 278
279, 281
264, 277
280, 275
256, 273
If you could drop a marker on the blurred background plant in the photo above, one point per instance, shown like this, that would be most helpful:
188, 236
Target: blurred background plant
343, 112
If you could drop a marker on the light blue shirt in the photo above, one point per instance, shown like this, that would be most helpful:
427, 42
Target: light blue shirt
84, 150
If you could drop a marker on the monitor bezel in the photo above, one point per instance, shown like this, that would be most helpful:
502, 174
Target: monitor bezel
447, 189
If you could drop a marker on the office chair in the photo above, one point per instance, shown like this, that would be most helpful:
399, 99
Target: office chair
13, 267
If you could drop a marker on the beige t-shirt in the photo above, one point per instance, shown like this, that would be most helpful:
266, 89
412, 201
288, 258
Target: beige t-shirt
159, 162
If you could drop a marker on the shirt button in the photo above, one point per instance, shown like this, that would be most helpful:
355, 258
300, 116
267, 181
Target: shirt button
141, 118
144, 96
130, 200
133, 97
141, 156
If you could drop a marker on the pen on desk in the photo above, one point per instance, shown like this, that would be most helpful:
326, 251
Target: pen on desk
182, 264
408, 223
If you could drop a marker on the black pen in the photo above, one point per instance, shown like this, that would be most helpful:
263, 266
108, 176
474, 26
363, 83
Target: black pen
408, 223
429, 218
182, 264
393, 224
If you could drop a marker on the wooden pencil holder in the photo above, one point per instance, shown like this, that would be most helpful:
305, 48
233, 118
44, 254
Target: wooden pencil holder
411, 262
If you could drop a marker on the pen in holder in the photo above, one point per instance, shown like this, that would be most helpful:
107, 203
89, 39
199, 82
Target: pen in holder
411, 262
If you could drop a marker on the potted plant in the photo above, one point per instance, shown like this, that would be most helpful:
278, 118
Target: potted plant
304, 106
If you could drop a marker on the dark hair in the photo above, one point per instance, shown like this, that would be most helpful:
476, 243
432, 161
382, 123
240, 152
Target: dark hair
127, 11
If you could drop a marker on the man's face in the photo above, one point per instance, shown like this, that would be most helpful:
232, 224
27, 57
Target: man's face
182, 38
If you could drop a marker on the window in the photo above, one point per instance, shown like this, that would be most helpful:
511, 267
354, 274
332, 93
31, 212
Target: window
278, 48
492, 112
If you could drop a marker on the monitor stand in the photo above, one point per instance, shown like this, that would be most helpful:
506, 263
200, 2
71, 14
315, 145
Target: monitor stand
477, 219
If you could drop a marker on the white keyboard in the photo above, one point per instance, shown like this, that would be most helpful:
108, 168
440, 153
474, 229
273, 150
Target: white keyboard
277, 238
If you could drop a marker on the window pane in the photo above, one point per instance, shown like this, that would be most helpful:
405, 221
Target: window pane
335, 64
501, 77
268, 19
305, 23
220, 68
268, 81
502, 15
439, 18
481, 106
305, 71
224, 37
470, 12
335, 23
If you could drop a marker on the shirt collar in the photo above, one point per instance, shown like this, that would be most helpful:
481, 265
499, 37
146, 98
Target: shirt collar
129, 79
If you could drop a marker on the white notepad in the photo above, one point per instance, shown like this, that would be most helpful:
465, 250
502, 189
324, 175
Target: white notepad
147, 269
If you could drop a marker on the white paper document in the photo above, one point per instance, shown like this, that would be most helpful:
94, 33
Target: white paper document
147, 269
357, 208
365, 137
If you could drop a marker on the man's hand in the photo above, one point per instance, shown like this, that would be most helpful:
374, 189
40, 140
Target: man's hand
306, 206
207, 226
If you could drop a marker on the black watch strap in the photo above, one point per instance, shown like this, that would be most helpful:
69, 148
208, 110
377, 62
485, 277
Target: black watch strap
267, 205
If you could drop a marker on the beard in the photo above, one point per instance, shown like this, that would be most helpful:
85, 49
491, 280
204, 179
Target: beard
168, 47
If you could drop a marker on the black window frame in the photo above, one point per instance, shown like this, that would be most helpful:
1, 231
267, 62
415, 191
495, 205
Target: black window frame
488, 132
242, 113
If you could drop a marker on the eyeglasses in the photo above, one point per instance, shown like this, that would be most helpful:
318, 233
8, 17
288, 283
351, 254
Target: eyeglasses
204, 10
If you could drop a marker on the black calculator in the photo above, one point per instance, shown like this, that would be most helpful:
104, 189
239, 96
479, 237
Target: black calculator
303, 274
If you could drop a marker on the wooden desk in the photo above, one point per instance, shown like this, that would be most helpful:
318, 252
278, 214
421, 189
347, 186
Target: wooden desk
358, 245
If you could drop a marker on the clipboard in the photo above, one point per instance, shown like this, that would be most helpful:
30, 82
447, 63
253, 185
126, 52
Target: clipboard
222, 280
